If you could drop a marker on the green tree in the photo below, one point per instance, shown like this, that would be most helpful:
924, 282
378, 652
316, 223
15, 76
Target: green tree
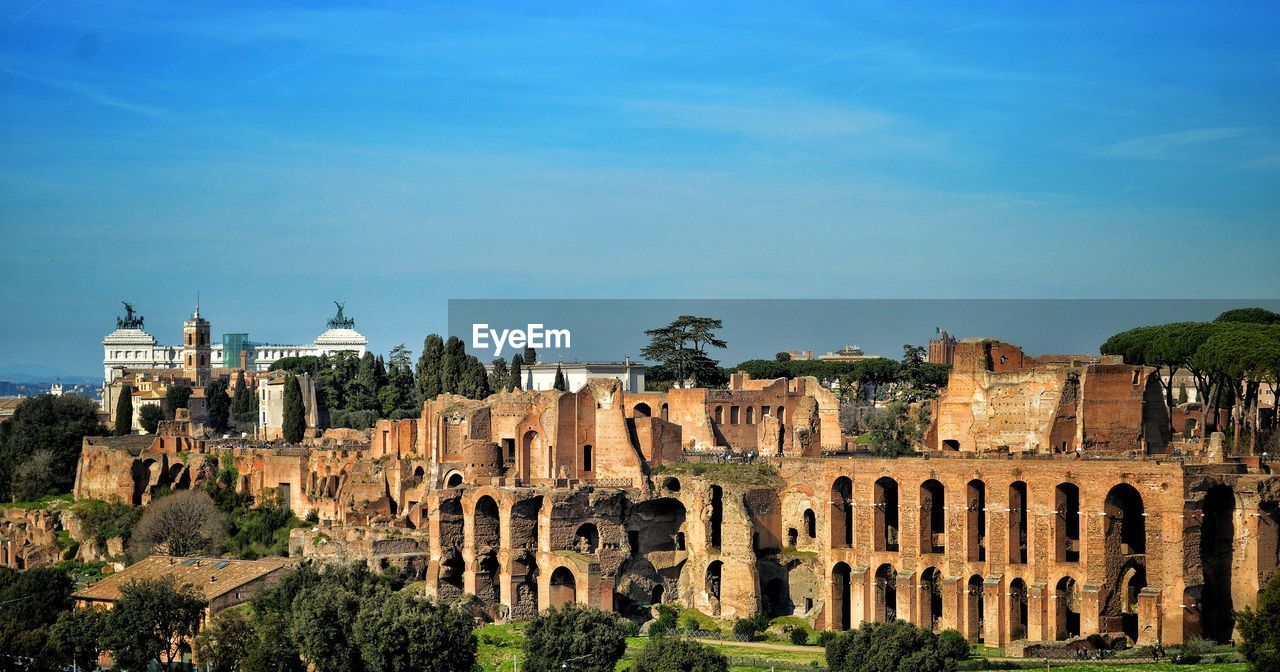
517, 375
681, 348
677, 654
150, 621
30, 601
473, 381
590, 639
782, 357
241, 397
124, 412
217, 405
1182, 393
499, 376
452, 365
560, 383
530, 355
1250, 316
896, 429
54, 424
398, 393
294, 422
893, 646
177, 396
225, 642
402, 633
323, 616
429, 363
1260, 628
368, 381
77, 636
273, 648
149, 418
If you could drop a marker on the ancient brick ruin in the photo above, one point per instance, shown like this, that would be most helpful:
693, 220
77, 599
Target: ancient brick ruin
1049, 503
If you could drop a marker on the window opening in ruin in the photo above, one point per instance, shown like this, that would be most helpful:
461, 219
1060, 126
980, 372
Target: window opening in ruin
713, 586
974, 597
633, 540
808, 604
933, 523
655, 596
1067, 522
641, 410
717, 514
719, 415
453, 480
679, 541
1017, 609
751, 415
672, 484
1067, 609
841, 517
586, 539
1018, 523
586, 458
931, 596
664, 411
793, 536
776, 599
1217, 532
781, 413
886, 514
841, 587
1132, 580
1125, 517
733, 415
810, 524
976, 517
564, 588
886, 593
509, 448
950, 444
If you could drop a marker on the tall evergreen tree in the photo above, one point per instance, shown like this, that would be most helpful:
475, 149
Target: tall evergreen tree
217, 405
530, 356
242, 401
399, 391
474, 383
560, 383
124, 411
499, 376
452, 366
295, 413
513, 383
429, 361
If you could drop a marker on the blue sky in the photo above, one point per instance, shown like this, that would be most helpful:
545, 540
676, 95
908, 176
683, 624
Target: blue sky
274, 156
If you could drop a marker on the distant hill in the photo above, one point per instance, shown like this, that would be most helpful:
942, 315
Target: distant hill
46, 375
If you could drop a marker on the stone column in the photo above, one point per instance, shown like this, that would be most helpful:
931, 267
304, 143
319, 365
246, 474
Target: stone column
952, 602
861, 594
994, 621
1149, 616
1090, 608
1038, 614
908, 598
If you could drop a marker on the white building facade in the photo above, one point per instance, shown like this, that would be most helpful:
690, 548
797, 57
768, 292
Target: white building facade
538, 377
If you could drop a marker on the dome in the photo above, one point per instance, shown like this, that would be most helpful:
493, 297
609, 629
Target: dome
129, 337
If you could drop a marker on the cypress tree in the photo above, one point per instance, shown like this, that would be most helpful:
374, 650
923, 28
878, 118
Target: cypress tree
500, 376
124, 411
295, 414
428, 383
217, 406
530, 356
452, 366
241, 403
560, 383
514, 382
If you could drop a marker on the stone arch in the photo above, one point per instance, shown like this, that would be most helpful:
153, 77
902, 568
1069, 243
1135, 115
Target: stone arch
641, 410
841, 516
886, 595
1066, 598
1133, 578
586, 539
1217, 539
712, 583
974, 609
931, 597
976, 520
665, 411
1126, 518
886, 514
933, 517
486, 525
1066, 528
810, 524
841, 597
1018, 537
564, 587
1018, 609
453, 479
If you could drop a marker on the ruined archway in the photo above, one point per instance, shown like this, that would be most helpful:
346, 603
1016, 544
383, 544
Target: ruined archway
641, 410
841, 608
1217, 539
1124, 545
524, 586
453, 479
486, 526
530, 448
776, 598
1066, 527
810, 524
1066, 599
1126, 520
1018, 523
933, 517
976, 520
974, 609
841, 517
931, 597
886, 584
886, 514
564, 587
1017, 609
712, 585
587, 539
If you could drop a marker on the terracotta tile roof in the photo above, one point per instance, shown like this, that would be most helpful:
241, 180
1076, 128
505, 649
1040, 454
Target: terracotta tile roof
213, 577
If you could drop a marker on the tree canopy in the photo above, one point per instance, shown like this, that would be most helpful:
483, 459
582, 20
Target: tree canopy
895, 646
681, 348
1260, 628
594, 640
677, 654
57, 425
150, 621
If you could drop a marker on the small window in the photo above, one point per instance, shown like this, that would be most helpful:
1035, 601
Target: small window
586, 458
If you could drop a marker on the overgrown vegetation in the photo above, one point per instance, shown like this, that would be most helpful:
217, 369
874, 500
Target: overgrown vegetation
40, 445
731, 473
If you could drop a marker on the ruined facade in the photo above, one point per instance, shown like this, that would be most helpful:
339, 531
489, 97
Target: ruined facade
1044, 506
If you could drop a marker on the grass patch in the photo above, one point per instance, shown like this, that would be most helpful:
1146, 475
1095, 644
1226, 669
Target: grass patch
792, 552
42, 503
729, 473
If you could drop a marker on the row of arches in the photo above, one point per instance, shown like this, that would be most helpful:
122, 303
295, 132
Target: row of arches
747, 414
938, 523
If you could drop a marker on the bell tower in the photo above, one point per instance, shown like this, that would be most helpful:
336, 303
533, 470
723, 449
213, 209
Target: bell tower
197, 355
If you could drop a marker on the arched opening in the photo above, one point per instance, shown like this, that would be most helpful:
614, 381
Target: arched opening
418, 474
793, 537
1066, 528
486, 526
719, 415
810, 524
886, 593
453, 480
841, 517
1017, 609
950, 444
664, 411
451, 570
776, 598
587, 539
976, 520
655, 595
1126, 520
974, 613
712, 586
1124, 546
717, 514
671, 484
1217, 539
1066, 609
1132, 580
487, 584
641, 410
654, 526
841, 596
933, 517
530, 445
524, 585
564, 588
886, 514
931, 597
1018, 523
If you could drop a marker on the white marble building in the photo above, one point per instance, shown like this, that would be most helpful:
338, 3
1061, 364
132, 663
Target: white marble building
130, 347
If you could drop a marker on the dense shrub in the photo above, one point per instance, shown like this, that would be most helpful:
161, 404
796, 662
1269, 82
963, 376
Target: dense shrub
677, 654
894, 646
